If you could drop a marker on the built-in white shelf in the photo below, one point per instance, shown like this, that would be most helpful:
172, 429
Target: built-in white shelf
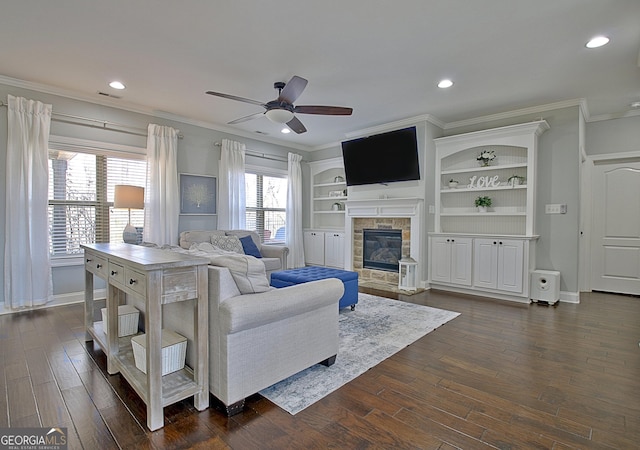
448, 190
483, 168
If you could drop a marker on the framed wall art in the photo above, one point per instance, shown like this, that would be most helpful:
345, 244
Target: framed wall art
198, 194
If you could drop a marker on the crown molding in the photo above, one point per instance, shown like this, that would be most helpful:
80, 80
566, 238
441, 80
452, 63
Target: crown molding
581, 103
123, 105
621, 115
402, 123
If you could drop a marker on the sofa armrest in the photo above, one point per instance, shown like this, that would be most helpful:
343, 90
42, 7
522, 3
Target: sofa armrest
253, 310
275, 251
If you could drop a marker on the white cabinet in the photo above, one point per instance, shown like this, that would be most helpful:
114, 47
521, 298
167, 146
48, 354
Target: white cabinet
328, 194
334, 250
314, 248
512, 204
324, 248
498, 264
451, 260
502, 239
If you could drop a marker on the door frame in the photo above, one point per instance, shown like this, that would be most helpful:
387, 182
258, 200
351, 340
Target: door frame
586, 211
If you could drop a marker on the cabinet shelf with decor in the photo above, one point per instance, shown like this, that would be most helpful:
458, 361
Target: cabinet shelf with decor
507, 176
328, 194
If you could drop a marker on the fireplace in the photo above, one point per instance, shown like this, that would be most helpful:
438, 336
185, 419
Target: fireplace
382, 249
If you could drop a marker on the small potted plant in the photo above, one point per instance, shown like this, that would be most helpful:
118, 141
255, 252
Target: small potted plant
453, 183
515, 180
485, 157
482, 203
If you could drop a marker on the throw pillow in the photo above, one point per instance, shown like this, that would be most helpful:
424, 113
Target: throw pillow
228, 243
248, 272
250, 247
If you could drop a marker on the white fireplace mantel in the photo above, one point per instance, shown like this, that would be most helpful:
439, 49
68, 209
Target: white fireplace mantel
387, 207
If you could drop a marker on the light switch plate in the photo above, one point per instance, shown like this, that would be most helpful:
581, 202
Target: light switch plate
555, 209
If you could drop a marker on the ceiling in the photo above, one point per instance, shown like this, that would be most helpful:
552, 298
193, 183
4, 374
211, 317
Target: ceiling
382, 58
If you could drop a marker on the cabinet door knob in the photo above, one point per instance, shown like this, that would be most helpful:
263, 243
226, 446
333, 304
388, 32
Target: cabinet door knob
89, 259
98, 266
453, 240
448, 240
500, 242
132, 281
113, 272
494, 242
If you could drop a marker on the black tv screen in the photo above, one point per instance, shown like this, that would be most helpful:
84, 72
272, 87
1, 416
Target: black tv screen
382, 158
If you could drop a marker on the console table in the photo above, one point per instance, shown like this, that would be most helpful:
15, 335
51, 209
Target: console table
157, 277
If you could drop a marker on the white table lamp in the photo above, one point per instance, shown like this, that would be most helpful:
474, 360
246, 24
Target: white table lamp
130, 197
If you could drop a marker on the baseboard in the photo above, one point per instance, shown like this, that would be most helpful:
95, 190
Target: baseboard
62, 299
570, 297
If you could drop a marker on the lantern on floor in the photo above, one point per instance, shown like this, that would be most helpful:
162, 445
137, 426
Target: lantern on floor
407, 278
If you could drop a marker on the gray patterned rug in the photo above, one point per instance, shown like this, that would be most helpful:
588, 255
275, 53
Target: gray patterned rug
378, 328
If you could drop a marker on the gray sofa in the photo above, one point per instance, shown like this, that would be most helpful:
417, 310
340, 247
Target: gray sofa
257, 339
274, 257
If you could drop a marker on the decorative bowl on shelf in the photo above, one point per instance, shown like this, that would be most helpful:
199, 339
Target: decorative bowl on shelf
338, 179
453, 184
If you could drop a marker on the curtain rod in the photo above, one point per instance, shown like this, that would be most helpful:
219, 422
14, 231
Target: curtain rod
260, 155
68, 118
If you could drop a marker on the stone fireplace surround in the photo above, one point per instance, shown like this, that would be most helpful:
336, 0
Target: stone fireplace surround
397, 213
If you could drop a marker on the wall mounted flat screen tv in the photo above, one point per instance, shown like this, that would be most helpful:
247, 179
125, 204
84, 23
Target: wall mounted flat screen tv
382, 158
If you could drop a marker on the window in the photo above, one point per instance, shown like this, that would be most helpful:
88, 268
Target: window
81, 186
266, 203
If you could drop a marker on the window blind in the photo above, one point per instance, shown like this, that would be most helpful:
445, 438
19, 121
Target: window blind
81, 188
266, 203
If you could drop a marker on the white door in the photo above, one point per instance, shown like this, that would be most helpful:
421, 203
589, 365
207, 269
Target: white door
441, 259
461, 251
334, 250
510, 260
314, 248
485, 263
615, 244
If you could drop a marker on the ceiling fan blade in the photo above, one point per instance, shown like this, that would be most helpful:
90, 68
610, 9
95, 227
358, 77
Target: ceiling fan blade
292, 89
325, 110
246, 118
234, 97
296, 126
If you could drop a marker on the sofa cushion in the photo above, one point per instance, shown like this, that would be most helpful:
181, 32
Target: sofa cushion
187, 238
243, 233
248, 272
227, 243
250, 247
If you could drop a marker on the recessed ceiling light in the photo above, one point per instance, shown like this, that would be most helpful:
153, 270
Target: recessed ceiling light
117, 85
597, 41
285, 130
445, 84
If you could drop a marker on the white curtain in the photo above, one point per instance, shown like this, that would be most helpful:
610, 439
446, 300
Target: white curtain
27, 268
231, 213
162, 199
293, 230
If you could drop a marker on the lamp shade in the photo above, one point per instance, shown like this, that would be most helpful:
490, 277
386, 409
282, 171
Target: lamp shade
128, 197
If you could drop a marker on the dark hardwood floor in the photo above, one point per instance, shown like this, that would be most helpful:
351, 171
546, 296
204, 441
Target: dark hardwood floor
501, 375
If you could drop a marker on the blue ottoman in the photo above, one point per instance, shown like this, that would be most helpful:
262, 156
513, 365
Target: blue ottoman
290, 277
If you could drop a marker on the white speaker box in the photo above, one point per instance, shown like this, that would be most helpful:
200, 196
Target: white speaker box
545, 286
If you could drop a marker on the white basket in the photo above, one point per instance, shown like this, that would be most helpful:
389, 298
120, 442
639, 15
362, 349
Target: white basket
174, 351
127, 320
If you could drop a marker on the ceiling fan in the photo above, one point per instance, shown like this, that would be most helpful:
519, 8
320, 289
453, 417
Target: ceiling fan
282, 110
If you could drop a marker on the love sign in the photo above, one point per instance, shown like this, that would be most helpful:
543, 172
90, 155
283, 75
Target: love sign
476, 182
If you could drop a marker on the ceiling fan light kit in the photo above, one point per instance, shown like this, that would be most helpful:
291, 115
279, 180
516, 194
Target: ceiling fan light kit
278, 115
281, 110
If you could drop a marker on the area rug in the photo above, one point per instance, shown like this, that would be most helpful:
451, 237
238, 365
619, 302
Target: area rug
375, 330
